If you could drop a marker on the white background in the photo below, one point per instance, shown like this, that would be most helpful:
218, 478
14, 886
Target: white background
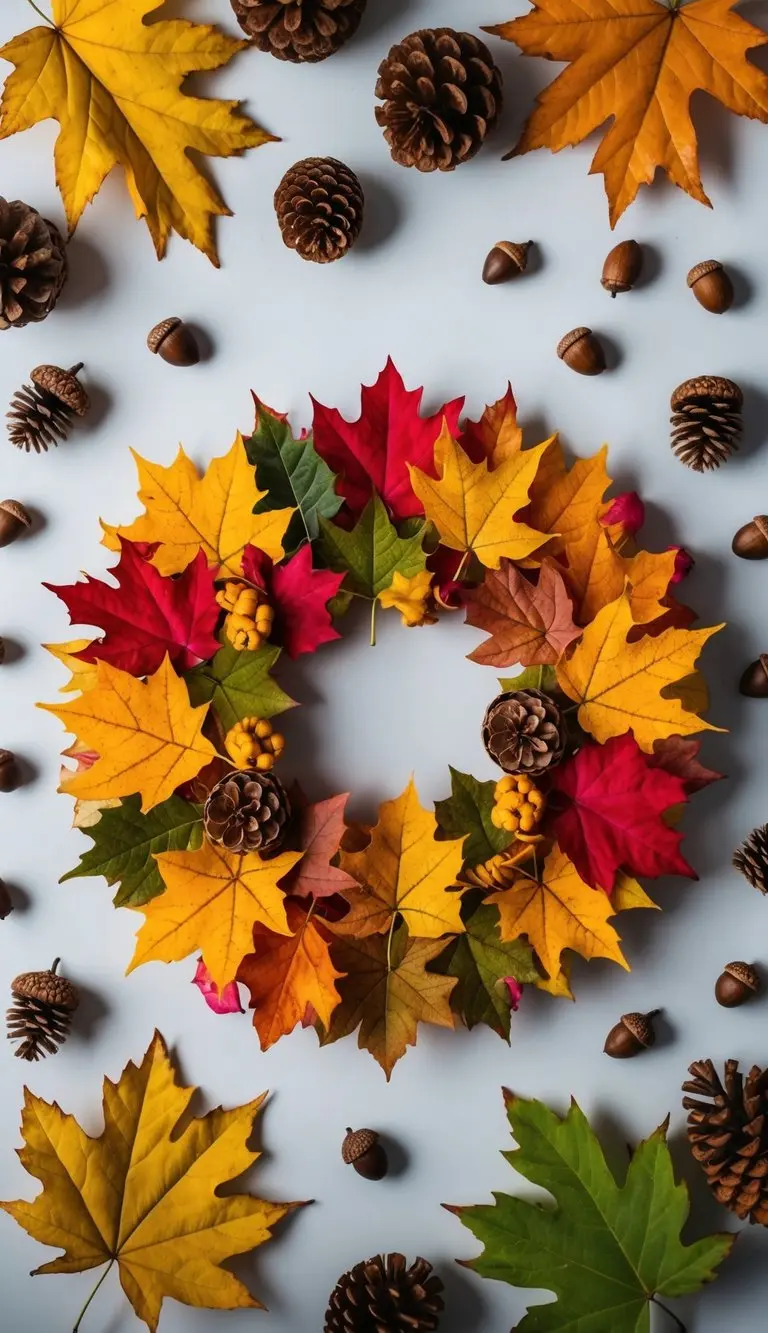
284, 328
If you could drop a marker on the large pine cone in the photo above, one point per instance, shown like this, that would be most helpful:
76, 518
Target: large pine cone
706, 421
319, 205
299, 30
384, 1296
442, 95
247, 811
751, 858
33, 265
524, 732
728, 1135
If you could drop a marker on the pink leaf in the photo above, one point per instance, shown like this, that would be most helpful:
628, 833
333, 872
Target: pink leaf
321, 828
684, 563
626, 511
301, 596
226, 1001
515, 989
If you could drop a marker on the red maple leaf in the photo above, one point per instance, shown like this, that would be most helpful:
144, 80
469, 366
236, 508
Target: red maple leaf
480, 439
299, 595
607, 804
529, 623
679, 755
146, 615
321, 828
373, 452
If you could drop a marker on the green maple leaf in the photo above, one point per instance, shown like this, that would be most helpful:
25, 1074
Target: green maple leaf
467, 814
542, 678
125, 841
480, 962
294, 476
606, 1250
373, 551
239, 685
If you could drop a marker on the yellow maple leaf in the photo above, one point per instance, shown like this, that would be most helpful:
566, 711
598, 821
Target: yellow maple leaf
186, 513
558, 911
410, 596
498, 434
628, 895
405, 869
473, 506
144, 1194
213, 899
84, 675
285, 974
113, 82
618, 685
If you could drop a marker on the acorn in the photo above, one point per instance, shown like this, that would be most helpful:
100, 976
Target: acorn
581, 350
9, 773
751, 540
14, 519
622, 267
362, 1150
6, 901
737, 983
631, 1035
754, 681
175, 342
507, 259
711, 286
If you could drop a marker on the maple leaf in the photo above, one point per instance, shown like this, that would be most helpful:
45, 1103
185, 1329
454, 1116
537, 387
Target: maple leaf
186, 513
528, 623
145, 1194
284, 974
292, 474
113, 82
558, 911
371, 455
224, 1000
411, 597
148, 737
405, 869
320, 831
84, 674
638, 63
373, 552
466, 814
238, 685
482, 963
301, 597
386, 992
609, 802
605, 1250
146, 616
496, 436
618, 685
679, 755
473, 508
125, 843
212, 900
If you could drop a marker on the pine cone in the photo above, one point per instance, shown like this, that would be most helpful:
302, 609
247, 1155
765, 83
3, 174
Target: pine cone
319, 205
247, 811
42, 412
383, 1296
41, 1016
728, 1135
299, 30
442, 95
33, 265
706, 421
523, 731
751, 858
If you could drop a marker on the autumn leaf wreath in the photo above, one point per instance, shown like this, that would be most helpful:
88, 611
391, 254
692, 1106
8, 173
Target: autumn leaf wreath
435, 917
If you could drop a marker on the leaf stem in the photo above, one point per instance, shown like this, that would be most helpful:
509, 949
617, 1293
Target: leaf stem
389, 942
679, 1325
373, 622
43, 16
103, 1277
462, 566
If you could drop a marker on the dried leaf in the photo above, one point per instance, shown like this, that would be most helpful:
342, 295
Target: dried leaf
529, 623
284, 974
679, 755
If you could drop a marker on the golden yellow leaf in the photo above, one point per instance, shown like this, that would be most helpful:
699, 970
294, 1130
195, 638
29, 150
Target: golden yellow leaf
144, 1194
569, 502
405, 869
212, 901
410, 596
474, 507
560, 985
285, 974
628, 894
147, 734
497, 435
113, 81
186, 513
649, 574
618, 685
559, 911
84, 674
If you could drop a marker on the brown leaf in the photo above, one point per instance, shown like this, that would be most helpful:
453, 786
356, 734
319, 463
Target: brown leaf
529, 623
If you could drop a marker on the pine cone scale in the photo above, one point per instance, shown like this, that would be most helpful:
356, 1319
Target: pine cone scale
33, 265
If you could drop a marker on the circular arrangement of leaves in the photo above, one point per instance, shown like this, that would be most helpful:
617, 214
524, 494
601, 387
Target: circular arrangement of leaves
436, 917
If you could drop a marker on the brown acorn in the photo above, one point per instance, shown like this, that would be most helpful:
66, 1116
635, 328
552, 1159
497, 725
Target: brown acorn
622, 267
737, 983
711, 286
506, 260
581, 350
175, 342
751, 540
14, 519
9, 773
754, 681
632, 1034
362, 1150
6, 901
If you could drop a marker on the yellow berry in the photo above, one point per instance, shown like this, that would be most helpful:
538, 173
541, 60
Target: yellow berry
262, 727
278, 743
264, 762
228, 595
503, 786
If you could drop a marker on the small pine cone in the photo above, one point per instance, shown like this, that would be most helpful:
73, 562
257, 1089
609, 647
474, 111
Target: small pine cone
383, 1295
751, 858
524, 732
41, 1016
42, 412
299, 30
706, 421
728, 1135
33, 265
442, 95
247, 811
319, 205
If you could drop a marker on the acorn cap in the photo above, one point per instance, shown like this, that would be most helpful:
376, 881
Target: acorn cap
569, 339
16, 510
744, 973
357, 1143
701, 270
64, 385
707, 386
47, 987
641, 1027
159, 333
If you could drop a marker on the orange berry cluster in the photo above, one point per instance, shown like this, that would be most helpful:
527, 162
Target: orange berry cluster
253, 744
519, 805
250, 617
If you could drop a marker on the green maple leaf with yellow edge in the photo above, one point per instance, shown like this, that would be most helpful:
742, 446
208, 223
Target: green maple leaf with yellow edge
144, 1194
372, 553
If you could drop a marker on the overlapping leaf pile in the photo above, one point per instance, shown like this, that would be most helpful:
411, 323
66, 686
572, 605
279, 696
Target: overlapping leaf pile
423, 917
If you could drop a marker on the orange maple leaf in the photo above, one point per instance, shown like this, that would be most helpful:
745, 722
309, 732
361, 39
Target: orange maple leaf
284, 974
